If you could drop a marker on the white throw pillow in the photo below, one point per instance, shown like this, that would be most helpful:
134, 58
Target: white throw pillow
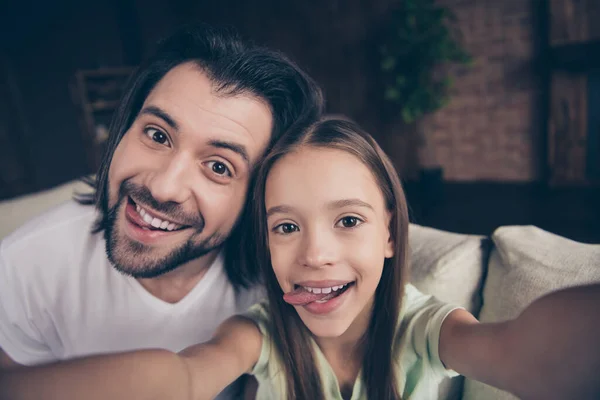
527, 263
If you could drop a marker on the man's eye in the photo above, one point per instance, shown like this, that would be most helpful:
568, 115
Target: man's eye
219, 168
286, 228
157, 136
349, 222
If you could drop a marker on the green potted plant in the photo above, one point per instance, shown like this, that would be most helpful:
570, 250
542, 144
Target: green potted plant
418, 45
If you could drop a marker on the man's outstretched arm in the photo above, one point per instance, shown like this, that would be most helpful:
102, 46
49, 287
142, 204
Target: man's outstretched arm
199, 372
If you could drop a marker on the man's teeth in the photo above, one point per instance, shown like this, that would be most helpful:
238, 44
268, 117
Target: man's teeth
324, 290
156, 222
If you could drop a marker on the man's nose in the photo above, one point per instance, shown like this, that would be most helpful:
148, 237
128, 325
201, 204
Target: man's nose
171, 181
319, 249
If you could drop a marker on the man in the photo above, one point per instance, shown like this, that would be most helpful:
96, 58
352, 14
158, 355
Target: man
157, 262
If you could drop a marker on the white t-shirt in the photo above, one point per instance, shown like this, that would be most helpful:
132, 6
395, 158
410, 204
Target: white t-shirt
60, 297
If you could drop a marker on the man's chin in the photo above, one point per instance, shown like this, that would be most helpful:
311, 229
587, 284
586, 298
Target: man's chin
142, 261
137, 260
140, 272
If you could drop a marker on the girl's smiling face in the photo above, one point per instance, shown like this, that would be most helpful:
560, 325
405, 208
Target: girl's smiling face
328, 237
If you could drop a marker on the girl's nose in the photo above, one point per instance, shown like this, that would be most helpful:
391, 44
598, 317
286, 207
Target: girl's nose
318, 250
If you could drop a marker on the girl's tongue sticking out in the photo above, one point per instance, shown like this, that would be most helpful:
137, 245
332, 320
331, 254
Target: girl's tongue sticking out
302, 296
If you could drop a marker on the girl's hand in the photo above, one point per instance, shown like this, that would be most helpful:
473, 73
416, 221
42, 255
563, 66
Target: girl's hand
551, 351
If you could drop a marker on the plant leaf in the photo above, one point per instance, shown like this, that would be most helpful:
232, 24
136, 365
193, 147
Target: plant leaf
392, 93
388, 63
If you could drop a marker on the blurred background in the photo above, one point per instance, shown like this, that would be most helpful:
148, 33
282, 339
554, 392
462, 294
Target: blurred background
488, 108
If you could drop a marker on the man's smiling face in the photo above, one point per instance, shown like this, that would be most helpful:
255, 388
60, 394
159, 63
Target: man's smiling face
178, 179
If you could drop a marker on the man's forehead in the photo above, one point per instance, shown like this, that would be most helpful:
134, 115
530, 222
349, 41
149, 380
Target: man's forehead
185, 98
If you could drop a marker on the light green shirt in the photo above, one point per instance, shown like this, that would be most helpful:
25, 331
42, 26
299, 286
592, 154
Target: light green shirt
419, 368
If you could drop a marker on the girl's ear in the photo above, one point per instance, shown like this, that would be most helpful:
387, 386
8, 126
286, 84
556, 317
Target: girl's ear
389, 246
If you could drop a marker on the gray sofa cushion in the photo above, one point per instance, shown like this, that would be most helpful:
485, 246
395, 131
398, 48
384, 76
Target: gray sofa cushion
527, 263
449, 266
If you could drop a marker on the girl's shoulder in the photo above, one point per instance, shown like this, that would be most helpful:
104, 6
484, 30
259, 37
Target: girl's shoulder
419, 329
268, 365
414, 301
260, 315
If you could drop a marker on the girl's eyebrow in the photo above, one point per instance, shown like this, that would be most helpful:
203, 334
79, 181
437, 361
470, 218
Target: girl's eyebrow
279, 209
348, 202
283, 209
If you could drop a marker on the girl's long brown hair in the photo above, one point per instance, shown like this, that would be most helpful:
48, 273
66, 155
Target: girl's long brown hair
290, 335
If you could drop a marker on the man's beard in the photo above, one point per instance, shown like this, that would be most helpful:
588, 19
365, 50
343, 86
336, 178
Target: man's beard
135, 259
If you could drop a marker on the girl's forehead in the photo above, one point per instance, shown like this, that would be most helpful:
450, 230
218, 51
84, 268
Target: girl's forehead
305, 159
318, 175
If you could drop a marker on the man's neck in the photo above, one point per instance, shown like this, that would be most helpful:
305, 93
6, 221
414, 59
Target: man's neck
173, 286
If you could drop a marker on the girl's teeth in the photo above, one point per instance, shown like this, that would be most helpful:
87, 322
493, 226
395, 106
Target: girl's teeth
147, 218
325, 290
171, 226
164, 225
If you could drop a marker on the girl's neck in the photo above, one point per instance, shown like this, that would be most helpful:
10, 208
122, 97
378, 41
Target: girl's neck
345, 353
347, 345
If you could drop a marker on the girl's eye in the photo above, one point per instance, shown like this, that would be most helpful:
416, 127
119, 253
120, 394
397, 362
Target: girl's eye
349, 222
157, 136
286, 228
219, 168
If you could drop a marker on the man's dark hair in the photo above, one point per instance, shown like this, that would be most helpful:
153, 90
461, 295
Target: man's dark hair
234, 67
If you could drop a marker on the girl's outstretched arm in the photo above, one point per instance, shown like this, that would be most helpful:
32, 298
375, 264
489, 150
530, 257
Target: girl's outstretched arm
198, 372
550, 351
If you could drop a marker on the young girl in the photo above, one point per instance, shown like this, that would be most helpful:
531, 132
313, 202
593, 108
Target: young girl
340, 321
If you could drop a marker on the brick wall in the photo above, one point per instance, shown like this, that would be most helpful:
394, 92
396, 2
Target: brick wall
491, 129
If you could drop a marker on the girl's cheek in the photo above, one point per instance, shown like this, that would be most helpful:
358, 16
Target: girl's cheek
276, 262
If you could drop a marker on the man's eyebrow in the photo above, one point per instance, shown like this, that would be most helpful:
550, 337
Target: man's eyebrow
162, 114
347, 203
278, 209
235, 147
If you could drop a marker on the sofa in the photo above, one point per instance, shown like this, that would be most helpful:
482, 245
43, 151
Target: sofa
14, 212
493, 277
496, 277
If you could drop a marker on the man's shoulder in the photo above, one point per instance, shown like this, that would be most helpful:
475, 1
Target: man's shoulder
53, 249
56, 229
